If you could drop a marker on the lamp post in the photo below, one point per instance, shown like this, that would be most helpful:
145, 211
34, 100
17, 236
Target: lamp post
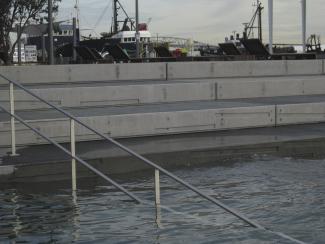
304, 24
50, 32
271, 26
19, 42
74, 54
137, 34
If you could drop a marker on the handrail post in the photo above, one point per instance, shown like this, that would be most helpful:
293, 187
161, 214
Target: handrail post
73, 153
157, 187
158, 216
12, 120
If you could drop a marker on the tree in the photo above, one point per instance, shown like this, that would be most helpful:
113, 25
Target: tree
21, 13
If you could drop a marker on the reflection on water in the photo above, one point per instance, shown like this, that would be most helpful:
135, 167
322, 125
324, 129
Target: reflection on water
285, 195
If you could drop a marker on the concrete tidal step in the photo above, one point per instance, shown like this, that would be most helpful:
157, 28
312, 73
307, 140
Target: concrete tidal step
182, 70
161, 71
173, 118
47, 163
146, 120
88, 94
44, 74
270, 86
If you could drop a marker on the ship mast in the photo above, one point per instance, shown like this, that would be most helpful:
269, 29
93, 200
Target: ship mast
249, 27
260, 28
115, 15
77, 9
117, 6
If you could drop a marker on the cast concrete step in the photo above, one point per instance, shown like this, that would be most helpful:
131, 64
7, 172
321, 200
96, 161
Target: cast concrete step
41, 74
88, 94
104, 93
47, 163
192, 70
172, 118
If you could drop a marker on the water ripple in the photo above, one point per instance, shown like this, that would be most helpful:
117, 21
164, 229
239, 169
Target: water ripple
285, 195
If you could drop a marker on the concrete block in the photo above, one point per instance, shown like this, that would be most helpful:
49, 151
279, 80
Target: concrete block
188, 70
108, 72
304, 67
270, 87
268, 68
250, 68
35, 74
113, 95
146, 124
314, 86
233, 69
225, 69
78, 73
7, 170
300, 113
259, 88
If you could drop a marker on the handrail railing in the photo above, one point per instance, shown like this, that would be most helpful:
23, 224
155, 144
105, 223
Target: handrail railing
157, 168
70, 154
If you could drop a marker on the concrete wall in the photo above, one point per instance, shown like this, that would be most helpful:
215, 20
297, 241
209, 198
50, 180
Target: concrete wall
145, 71
244, 69
300, 113
145, 124
89, 72
270, 87
104, 95
164, 123
304, 67
113, 95
159, 123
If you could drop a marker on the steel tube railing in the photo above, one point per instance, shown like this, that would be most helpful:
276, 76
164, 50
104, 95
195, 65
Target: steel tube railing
73, 152
87, 165
12, 120
143, 159
157, 186
136, 155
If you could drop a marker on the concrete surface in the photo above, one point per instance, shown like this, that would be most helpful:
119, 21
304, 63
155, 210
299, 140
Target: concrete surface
87, 72
300, 113
172, 118
223, 147
99, 94
89, 94
244, 69
159, 71
270, 87
304, 67
146, 120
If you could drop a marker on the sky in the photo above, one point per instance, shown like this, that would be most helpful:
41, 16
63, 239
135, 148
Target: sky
202, 20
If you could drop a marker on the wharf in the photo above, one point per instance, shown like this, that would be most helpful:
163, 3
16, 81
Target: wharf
47, 163
173, 113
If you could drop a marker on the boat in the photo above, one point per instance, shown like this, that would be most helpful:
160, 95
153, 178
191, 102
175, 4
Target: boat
122, 33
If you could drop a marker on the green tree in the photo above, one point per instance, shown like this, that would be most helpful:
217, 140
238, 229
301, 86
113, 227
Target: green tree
22, 13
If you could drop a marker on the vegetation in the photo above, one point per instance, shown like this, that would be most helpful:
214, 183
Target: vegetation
21, 13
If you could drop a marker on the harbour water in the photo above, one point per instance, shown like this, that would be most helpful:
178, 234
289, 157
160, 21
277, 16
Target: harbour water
282, 194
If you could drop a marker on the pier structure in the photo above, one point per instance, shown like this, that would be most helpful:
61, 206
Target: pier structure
175, 113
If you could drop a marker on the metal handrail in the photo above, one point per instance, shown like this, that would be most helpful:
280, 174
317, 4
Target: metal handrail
66, 151
136, 155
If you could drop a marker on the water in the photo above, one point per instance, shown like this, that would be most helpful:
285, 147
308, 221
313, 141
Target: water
282, 194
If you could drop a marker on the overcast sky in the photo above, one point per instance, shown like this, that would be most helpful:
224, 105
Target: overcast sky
204, 20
